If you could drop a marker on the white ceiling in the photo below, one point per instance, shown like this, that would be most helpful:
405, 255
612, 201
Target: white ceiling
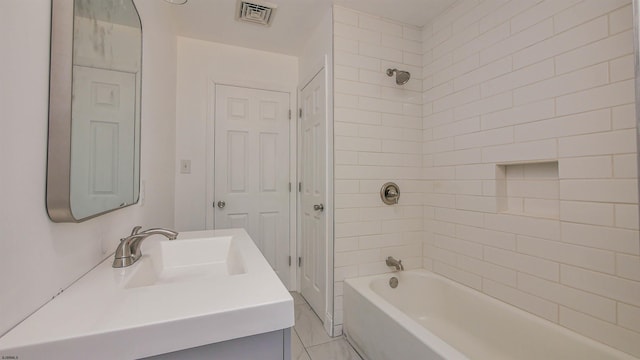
414, 12
294, 20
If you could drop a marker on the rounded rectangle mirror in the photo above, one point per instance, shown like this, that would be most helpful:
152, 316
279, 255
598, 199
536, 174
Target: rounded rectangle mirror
94, 108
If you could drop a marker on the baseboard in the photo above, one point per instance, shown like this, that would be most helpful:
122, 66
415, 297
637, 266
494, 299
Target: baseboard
328, 324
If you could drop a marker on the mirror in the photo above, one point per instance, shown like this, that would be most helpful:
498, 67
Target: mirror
94, 108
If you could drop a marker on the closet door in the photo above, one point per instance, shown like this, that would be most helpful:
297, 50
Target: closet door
313, 195
252, 169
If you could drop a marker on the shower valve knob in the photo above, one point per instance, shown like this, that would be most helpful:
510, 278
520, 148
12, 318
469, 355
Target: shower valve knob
390, 193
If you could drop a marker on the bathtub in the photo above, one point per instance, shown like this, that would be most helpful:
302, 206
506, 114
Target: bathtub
430, 317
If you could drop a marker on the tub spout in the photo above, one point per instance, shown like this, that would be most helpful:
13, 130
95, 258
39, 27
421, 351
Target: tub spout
395, 263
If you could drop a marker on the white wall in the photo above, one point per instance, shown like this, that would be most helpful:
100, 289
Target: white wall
40, 257
318, 46
378, 138
528, 81
201, 64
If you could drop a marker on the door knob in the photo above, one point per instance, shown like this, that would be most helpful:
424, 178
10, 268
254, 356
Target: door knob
221, 204
318, 207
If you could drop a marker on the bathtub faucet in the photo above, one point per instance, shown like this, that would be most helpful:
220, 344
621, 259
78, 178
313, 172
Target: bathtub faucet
393, 262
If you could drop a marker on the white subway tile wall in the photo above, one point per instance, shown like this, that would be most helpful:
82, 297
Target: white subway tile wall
515, 150
511, 83
378, 138
518, 105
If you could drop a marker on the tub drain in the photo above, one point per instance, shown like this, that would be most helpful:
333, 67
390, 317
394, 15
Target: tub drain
393, 282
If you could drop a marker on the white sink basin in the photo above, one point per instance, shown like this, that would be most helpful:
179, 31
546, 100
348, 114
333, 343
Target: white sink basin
202, 288
166, 262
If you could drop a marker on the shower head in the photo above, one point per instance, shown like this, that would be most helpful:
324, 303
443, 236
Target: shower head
401, 76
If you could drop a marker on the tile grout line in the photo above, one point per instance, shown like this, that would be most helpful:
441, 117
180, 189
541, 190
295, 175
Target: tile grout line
303, 346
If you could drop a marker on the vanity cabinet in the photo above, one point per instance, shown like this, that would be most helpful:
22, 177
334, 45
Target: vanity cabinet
275, 345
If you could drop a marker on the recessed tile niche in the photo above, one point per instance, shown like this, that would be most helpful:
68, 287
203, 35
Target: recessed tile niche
530, 189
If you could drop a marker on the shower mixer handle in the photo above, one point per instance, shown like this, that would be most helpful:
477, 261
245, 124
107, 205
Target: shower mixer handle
390, 193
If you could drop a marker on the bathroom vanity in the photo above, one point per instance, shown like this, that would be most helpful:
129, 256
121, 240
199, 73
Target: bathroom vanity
205, 294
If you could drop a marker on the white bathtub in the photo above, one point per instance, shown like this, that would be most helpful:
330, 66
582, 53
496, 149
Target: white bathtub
430, 317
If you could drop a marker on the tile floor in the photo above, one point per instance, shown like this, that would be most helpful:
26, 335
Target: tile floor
309, 341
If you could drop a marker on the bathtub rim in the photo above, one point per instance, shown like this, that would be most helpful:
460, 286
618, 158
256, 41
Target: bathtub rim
440, 346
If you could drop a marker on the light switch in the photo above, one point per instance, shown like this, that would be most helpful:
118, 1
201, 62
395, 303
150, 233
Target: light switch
185, 166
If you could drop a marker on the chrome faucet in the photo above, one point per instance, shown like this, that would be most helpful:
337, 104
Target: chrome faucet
128, 252
393, 262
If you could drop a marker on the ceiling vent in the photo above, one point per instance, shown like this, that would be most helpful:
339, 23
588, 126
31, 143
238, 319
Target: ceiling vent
257, 12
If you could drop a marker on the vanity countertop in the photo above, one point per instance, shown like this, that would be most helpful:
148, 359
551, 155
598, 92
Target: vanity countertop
101, 317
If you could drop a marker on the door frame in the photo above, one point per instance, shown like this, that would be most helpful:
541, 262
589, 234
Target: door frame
293, 163
328, 314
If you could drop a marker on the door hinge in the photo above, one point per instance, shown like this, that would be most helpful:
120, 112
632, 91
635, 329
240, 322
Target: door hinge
300, 187
289, 187
289, 114
299, 261
300, 113
289, 260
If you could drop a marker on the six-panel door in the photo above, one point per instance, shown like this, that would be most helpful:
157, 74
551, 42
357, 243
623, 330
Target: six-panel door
252, 169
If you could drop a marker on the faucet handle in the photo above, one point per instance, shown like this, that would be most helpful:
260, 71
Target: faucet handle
124, 250
136, 229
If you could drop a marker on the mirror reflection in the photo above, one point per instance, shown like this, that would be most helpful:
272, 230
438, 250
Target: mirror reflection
103, 170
